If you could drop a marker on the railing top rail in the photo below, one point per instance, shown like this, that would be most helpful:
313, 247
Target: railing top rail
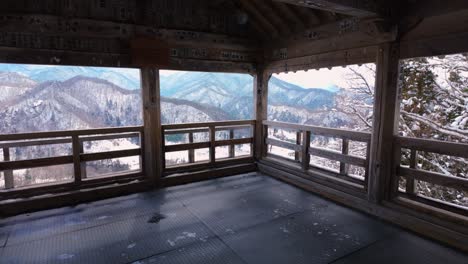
353, 135
435, 146
53, 134
29, 143
208, 124
201, 130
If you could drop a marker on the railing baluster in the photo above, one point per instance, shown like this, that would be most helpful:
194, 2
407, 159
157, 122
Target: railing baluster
231, 147
212, 144
344, 150
191, 152
82, 164
411, 184
297, 154
76, 158
305, 150
8, 174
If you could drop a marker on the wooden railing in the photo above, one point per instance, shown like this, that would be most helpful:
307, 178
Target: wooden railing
78, 157
210, 143
412, 173
303, 149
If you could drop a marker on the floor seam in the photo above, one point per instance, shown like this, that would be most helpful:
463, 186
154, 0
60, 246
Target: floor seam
216, 235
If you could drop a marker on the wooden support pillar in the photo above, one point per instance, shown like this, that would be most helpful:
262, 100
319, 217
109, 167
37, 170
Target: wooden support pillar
297, 154
8, 174
384, 154
153, 136
261, 100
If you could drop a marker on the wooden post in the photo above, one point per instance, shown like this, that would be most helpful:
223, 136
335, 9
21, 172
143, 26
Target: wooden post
191, 152
384, 155
305, 150
232, 146
344, 150
261, 100
76, 159
8, 174
297, 154
83, 164
411, 184
212, 145
153, 135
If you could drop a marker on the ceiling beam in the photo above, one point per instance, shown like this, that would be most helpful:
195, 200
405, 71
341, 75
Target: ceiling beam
274, 16
290, 15
257, 15
358, 8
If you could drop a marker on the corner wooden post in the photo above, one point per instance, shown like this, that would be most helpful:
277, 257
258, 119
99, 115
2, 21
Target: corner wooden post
8, 174
152, 155
383, 152
261, 100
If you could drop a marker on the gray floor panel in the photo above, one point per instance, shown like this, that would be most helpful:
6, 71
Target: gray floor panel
405, 248
211, 251
249, 218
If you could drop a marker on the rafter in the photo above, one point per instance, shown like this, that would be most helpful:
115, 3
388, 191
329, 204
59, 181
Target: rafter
287, 12
257, 15
359, 8
274, 16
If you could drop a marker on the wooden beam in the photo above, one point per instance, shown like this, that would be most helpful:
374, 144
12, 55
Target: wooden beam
152, 139
358, 8
290, 15
275, 17
261, 101
385, 155
257, 15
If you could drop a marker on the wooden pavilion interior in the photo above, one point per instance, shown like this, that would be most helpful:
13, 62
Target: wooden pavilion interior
259, 37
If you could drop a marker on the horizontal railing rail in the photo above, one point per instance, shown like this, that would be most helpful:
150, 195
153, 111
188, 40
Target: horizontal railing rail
211, 142
303, 149
413, 173
78, 157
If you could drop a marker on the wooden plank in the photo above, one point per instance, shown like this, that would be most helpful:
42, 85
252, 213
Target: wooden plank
83, 164
385, 124
434, 177
334, 155
201, 130
435, 146
8, 174
283, 144
34, 163
15, 144
208, 124
232, 142
325, 131
109, 137
54, 134
110, 154
186, 146
185, 168
305, 150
